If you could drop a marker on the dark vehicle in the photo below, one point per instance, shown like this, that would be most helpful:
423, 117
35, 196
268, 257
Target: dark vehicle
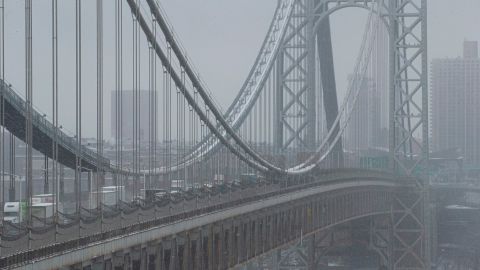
149, 194
248, 179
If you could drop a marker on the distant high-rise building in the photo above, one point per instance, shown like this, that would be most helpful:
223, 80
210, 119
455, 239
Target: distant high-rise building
127, 99
380, 74
470, 49
364, 129
455, 103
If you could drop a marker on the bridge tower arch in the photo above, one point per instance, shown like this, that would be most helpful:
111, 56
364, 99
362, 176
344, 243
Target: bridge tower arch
308, 37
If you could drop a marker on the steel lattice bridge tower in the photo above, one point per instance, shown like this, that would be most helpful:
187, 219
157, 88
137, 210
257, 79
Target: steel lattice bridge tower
236, 184
407, 28
405, 21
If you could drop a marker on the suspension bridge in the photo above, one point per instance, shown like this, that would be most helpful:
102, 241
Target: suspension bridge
203, 187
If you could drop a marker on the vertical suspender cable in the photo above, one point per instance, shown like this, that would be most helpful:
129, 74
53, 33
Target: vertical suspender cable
177, 158
138, 105
123, 177
12, 166
78, 96
2, 101
2, 104
184, 152
137, 130
55, 110
169, 115
115, 173
155, 137
29, 101
134, 103
100, 169
134, 92
150, 114
195, 141
118, 94
165, 142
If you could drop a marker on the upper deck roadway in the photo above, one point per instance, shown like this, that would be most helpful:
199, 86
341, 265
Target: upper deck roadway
337, 196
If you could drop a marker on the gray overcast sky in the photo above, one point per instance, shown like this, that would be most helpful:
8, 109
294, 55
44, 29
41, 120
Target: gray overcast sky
223, 37
233, 30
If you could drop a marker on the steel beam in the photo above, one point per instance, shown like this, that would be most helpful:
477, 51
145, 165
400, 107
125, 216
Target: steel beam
296, 112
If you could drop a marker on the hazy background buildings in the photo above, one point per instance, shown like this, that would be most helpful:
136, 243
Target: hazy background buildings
455, 104
126, 102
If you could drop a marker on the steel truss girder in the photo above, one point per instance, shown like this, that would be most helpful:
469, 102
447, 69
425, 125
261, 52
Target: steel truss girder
409, 239
408, 85
296, 82
409, 131
381, 238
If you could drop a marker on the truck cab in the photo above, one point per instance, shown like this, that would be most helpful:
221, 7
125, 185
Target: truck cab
13, 212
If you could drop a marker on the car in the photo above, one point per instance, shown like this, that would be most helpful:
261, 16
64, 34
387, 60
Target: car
161, 194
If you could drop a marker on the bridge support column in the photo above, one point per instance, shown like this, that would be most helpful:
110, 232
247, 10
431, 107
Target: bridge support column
251, 266
242, 250
135, 256
276, 255
176, 249
167, 254
207, 248
118, 261
259, 235
98, 264
77, 266
192, 260
216, 246
235, 243
150, 254
410, 240
182, 251
226, 247
274, 229
295, 110
311, 254
253, 237
380, 239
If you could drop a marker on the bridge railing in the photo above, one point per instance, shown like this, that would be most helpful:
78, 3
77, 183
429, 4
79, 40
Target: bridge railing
45, 126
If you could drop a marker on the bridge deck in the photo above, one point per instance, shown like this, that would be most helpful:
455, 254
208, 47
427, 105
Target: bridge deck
149, 231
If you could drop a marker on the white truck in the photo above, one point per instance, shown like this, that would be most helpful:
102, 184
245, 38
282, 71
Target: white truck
15, 212
107, 197
43, 213
43, 198
178, 185
118, 190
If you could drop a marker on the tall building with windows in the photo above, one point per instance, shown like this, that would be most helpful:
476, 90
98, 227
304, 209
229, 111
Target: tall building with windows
127, 108
455, 103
